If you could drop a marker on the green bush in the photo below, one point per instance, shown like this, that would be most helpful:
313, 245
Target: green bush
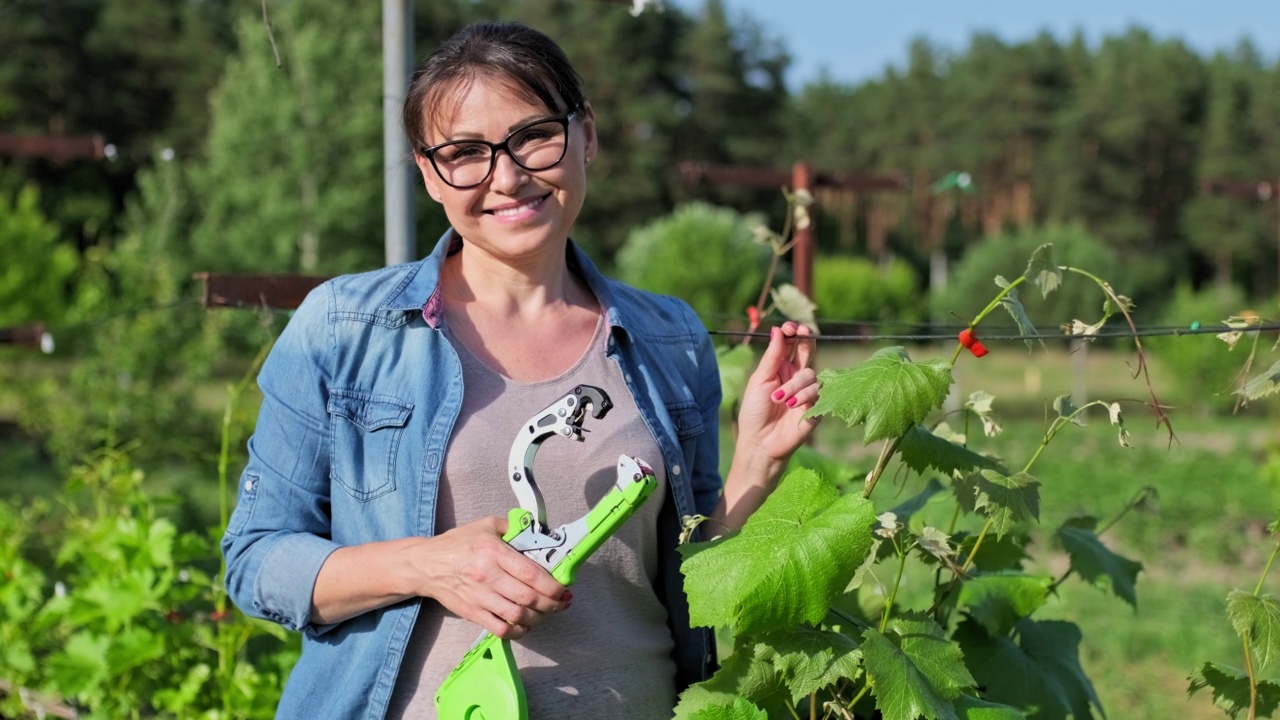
700, 253
109, 607
1200, 367
854, 289
37, 267
970, 285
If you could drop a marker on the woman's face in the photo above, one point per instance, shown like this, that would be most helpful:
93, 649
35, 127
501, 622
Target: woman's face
515, 213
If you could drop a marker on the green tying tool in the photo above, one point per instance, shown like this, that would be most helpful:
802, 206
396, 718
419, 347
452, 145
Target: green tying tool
486, 684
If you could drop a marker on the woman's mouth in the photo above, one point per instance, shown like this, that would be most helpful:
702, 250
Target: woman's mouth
518, 209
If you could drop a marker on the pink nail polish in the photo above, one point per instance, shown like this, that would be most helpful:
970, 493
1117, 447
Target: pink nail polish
779, 394
791, 401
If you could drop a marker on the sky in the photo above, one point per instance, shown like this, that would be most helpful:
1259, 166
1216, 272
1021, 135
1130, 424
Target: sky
855, 40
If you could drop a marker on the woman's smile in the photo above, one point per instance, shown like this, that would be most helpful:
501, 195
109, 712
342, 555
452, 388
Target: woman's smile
521, 209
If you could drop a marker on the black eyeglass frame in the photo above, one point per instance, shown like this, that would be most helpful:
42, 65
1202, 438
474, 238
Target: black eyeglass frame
562, 120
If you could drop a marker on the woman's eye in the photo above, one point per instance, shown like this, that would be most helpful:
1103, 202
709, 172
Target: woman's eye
459, 153
532, 135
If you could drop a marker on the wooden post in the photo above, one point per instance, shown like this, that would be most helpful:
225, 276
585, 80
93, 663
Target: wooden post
802, 252
802, 175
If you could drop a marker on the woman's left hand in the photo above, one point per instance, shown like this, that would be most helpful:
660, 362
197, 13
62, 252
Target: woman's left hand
778, 394
771, 423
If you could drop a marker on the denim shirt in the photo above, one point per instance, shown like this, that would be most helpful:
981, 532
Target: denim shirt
360, 395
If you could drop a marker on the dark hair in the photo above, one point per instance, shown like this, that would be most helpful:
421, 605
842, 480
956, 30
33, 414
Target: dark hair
509, 51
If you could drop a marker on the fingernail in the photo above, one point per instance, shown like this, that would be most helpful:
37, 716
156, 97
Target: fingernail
779, 394
773, 333
566, 596
791, 401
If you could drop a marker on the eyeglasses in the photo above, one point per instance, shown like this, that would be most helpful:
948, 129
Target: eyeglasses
540, 145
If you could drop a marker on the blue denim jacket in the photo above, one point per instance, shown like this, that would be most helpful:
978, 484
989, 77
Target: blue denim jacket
360, 395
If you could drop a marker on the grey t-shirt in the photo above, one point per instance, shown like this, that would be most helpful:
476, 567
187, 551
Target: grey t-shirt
610, 654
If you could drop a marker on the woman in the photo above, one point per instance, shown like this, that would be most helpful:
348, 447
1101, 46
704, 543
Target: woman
372, 509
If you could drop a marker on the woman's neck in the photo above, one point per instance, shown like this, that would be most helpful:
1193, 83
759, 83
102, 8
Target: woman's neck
525, 291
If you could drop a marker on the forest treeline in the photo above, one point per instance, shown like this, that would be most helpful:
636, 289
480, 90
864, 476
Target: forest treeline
229, 162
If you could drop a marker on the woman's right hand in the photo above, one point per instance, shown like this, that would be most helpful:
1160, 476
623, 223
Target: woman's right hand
477, 576
469, 570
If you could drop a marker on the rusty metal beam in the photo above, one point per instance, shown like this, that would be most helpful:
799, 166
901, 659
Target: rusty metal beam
267, 292
1252, 189
53, 147
36, 336
695, 172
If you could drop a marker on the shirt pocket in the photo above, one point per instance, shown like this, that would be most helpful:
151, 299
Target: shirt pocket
367, 430
687, 420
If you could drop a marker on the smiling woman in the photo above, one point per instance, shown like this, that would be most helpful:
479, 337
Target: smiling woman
373, 511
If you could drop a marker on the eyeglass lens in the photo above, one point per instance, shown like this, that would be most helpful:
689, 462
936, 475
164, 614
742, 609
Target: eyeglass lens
534, 147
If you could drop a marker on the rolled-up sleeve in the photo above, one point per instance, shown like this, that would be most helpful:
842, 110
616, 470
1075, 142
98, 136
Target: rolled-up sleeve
279, 535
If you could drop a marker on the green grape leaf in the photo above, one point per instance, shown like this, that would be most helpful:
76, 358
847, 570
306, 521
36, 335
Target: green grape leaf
740, 709
887, 391
1095, 563
1014, 307
810, 659
996, 554
920, 449
794, 304
915, 670
1042, 272
790, 559
1258, 620
742, 675
735, 365
971, 708
1268, 383
1231, 689
1041, 671
1006, 499
999, 601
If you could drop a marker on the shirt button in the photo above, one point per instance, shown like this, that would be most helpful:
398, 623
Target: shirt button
675, 469
248, 486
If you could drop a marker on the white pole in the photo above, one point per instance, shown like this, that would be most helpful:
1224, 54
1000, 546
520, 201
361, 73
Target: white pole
398, 170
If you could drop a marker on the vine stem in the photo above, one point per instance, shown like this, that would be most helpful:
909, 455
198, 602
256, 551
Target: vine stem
858, 697
1054, 428
1257, 590
991, 306
1133, 503
1142, 370
881, 463
1248, 651
897, 582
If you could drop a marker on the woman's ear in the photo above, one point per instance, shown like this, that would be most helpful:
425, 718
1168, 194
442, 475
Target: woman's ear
429, 177
591, 146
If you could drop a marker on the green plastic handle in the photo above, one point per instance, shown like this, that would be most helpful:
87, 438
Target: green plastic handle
486, 684
604, 519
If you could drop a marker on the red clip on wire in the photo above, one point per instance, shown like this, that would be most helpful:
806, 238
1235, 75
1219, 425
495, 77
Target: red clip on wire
971, 342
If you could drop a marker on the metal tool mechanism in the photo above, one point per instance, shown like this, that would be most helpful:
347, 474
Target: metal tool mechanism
564, 417
486, 684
